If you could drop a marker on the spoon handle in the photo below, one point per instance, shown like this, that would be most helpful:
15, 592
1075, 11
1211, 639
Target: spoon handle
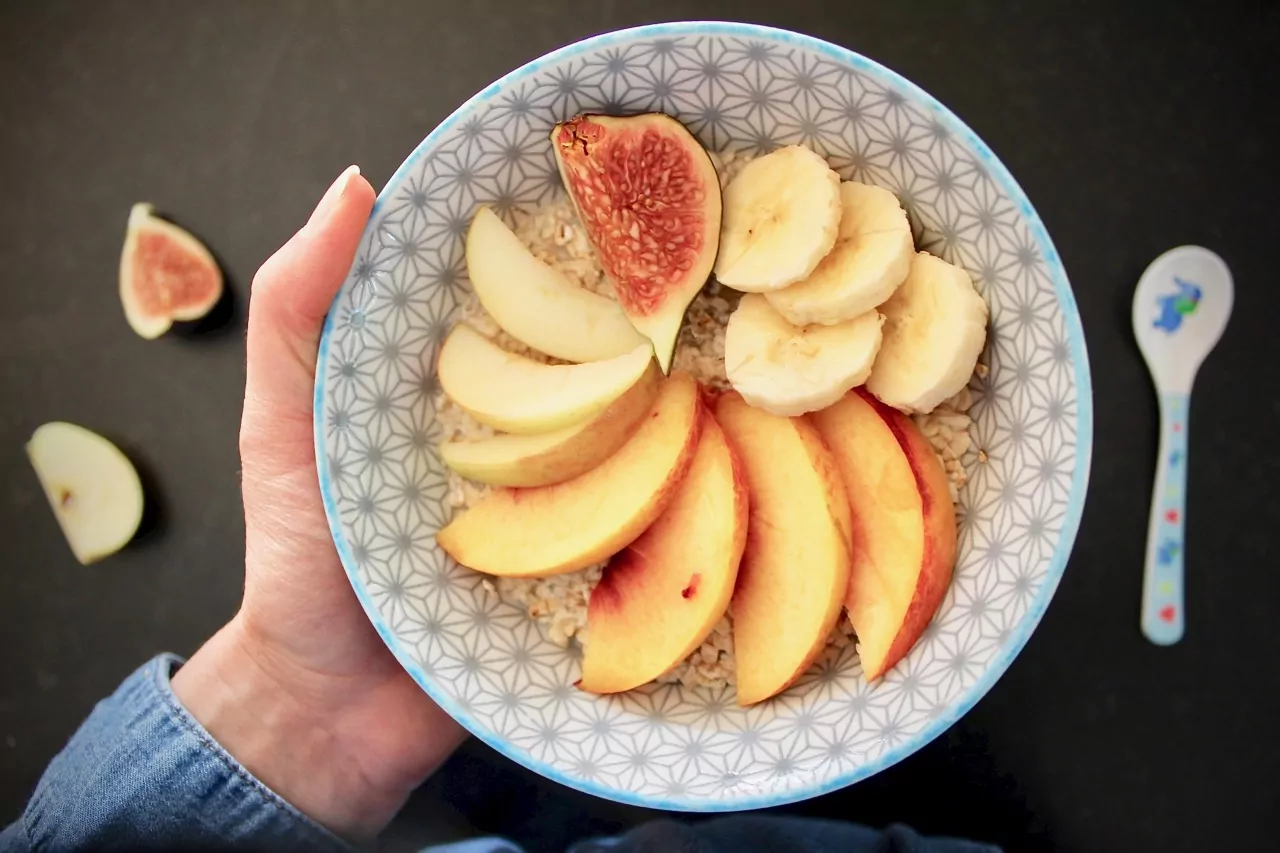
1162, 602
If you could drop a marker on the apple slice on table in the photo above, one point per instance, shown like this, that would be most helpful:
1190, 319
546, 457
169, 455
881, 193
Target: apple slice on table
517, 394
795, 570
553, 457
537, 305
551, 530
92, 487
659, 598
904, 525
166, 274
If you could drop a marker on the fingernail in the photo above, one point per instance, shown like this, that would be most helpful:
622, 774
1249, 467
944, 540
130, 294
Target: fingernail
333, 195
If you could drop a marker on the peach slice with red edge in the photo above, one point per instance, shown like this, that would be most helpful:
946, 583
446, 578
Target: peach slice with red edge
568, 526
795, 569
660, 597
904, 525
166, 274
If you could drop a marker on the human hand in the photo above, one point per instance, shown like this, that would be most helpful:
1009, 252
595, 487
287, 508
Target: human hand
299, 687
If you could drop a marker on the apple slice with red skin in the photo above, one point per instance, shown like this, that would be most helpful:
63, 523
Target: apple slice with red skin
166, 274
648, 196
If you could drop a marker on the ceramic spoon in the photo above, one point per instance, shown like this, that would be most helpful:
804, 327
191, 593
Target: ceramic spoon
1180, 309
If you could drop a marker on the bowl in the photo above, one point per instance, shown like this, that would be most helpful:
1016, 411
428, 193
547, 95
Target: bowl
736, 86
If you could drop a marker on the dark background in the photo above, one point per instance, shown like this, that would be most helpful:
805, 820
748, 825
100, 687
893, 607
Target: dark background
1133, 129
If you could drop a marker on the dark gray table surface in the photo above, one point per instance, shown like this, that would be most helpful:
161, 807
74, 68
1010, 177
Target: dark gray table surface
1133, 129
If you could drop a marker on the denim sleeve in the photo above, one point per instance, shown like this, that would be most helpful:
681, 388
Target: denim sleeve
142, 774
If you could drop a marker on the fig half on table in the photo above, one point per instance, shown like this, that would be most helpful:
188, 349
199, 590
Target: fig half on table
166, 274
648, 196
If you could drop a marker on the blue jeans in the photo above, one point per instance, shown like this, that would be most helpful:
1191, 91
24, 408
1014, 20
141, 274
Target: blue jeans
142, 774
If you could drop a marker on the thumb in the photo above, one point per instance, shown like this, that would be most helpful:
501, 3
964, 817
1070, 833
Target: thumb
288, 300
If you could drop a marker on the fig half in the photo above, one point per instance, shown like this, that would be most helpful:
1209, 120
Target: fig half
165, 274
647, 193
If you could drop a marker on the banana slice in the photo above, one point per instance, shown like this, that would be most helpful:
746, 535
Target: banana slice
790, 370
870, 259
781, 214
935, 328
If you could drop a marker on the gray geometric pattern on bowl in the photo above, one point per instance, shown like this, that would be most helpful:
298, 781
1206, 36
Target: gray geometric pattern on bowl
736, 86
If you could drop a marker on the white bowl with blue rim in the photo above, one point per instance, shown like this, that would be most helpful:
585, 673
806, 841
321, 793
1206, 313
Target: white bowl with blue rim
736, 86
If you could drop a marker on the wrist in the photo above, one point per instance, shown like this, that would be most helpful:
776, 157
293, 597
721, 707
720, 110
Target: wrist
293, 731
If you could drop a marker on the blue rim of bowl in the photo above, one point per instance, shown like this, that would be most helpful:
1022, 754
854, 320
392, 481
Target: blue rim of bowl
1079, 481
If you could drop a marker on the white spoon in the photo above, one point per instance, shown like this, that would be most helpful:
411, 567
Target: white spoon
1180, 309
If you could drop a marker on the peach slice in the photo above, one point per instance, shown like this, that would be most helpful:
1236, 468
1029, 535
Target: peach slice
553, 457
660, 597
904, 525
795, 570
551, 530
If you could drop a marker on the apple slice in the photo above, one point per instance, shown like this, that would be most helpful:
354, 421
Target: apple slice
551, 530
553, 457
795, 570
165, 274
904, 525
93, 488
516, 394
658, 599
537, 305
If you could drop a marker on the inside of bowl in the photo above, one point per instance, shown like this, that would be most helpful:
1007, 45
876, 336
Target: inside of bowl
484, 659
